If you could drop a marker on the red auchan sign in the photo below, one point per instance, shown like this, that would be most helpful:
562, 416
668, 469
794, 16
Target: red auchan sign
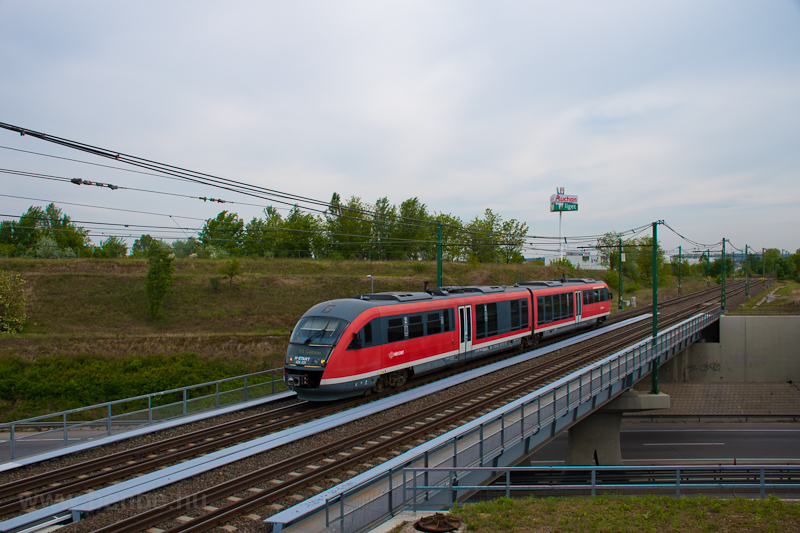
563, 202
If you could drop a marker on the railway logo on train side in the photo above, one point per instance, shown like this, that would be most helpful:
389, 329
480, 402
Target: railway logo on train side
396, 354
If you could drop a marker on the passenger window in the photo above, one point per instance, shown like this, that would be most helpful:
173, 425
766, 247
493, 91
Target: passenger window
447, 321
368, 334
514, 315
480, 321
395, 330
491, 319
540, 310
524, 312
415, 327
434, 324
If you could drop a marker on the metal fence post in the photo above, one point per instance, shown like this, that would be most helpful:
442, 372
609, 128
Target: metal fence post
217, 393
508, 483
109, 419
11, 441
678, 483
66, 435
763, 490
327, 517
427, 480
184, 401
405, 498
245, 388
391, 490
594, 474
272, 378
150, 409
480, 443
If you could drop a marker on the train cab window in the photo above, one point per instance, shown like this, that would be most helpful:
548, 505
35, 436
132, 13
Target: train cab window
523, 311
415, 328
434, 324
515, 315
606, 296
395, 330
480, 321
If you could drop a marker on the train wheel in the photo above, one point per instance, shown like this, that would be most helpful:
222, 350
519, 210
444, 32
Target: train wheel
380, 385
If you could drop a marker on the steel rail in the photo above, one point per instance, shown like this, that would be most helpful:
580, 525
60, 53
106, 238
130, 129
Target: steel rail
495, 392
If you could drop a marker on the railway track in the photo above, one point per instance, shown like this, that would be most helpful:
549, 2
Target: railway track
79, 477
254, 492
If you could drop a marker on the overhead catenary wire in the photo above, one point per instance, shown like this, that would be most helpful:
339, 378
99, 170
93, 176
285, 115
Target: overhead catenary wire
217, 181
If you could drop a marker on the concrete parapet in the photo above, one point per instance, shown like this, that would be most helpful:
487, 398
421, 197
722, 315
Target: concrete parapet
755, 349
595, 439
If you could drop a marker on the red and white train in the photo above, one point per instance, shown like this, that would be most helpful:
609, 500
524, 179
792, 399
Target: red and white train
372, 342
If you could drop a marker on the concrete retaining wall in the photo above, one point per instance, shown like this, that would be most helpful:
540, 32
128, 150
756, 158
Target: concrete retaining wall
751, 349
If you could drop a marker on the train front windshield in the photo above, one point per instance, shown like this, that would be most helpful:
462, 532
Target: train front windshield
318, 330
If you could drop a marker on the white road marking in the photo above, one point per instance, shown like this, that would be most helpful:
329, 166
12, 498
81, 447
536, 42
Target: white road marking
683, 444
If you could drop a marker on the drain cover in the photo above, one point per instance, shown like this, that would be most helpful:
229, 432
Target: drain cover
438, 522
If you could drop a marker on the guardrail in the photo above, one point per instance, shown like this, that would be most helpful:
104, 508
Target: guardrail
651, 417
73, 425
513, 429
438, 488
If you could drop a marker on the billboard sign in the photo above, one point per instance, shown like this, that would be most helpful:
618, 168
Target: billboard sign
563, 202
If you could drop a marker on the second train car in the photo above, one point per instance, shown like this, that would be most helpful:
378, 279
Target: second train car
372, 342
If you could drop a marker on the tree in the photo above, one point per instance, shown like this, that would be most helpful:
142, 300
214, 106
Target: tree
230, 269
225, 231
142, 245
347, 228
113, 247
384, 220
159, 278
298, 234
261, 235
59, 226
414, 236
512, 240
186, 248
484, 237
12, 303
453, 237
47, 248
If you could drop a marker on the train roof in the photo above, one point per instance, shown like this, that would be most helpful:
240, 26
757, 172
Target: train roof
349, 308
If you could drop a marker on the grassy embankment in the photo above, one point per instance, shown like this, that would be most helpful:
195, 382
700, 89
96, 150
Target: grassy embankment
630, 514
786, 293
89, 337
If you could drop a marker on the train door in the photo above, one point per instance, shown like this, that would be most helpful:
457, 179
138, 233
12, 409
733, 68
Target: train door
578, 306
465, 329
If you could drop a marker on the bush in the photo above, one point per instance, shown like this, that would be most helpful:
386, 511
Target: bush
612, 278
230, 270
565, 263
159, 277
12, 303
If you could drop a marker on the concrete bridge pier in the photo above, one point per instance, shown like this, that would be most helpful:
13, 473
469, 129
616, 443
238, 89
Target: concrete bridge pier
595, 439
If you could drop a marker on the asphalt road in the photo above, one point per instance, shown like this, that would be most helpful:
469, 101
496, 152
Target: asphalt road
671, 442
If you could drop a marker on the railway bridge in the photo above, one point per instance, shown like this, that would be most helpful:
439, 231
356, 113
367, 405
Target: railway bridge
591, 397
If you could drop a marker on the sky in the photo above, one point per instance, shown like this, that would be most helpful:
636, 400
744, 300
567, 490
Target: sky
682, 111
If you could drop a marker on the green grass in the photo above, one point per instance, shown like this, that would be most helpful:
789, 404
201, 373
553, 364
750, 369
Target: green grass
88, 318
56, 383
630, 514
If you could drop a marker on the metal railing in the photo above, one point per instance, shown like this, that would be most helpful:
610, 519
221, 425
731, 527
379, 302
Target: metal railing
55, 430
527, 419
445, 490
